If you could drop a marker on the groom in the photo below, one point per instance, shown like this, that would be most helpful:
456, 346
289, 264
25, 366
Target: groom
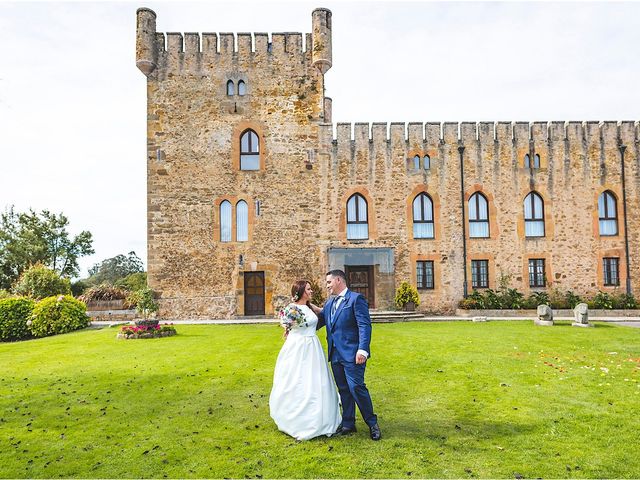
346, 317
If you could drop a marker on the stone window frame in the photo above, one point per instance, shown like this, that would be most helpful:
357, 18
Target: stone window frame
436, 259
356, 196
605, 195
541, 218
371, 216
476, 277
425, 286
534, 273
491, 269
422, 216
435, 199
230, 83
217, 220
479, 194
418, 161
548, 270
607, 271
260, 130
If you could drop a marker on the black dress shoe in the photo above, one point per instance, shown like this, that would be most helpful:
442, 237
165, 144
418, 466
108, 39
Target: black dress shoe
375, 432
345, 431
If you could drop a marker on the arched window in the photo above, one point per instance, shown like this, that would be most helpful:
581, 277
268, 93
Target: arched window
225, 221
249, 150
527, 161
357, 219
416, 162
230, 88
607, 213
478, 216
422, 216
242, 221
427, 162
533, 215
242, 88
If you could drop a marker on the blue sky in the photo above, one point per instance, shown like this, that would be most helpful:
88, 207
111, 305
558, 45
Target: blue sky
72, 103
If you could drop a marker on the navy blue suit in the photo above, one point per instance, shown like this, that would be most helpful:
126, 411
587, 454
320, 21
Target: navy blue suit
349, 330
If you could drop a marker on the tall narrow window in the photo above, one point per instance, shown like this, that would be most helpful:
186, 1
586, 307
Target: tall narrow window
242, 88
230, 88
225, 221
480, 273
425, 274
427, 162
610, 269
527, 161
242, 221
533, 215
478, 216
416, 162
423, 216
607, 213
536, 272
249, 150
357, 219
536, 161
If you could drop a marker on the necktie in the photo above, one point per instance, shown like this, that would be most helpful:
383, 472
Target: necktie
334, 307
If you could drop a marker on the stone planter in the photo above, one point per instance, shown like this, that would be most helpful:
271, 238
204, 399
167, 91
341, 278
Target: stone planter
137, 336
409, 307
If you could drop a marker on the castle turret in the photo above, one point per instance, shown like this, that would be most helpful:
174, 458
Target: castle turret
146, 51
322, 39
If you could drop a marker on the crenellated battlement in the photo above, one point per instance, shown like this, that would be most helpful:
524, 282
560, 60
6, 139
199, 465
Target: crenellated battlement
432, 133
175, 50
234, 43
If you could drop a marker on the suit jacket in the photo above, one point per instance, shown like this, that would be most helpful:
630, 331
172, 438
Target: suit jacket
350, 328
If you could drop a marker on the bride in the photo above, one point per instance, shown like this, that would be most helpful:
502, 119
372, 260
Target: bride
304, 399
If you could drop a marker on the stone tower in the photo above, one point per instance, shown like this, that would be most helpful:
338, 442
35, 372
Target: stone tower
212, 221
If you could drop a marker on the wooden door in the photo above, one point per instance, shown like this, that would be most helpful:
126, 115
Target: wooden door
360, 279
254, 293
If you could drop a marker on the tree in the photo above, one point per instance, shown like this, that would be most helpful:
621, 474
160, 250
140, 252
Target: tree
30, 238
115, 268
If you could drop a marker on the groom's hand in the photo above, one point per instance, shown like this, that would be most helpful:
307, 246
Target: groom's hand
360, 359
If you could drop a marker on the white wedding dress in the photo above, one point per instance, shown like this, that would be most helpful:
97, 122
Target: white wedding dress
304, 398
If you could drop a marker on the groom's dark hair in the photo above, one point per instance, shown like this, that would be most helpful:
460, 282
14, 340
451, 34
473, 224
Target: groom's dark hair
338, 273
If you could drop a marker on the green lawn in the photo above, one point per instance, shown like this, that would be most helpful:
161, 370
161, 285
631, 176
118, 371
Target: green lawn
463, 400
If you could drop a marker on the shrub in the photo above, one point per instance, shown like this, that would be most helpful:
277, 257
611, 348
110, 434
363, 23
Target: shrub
14, 314
103, 292
492, 300
573, 299
603, 300
39, 282
61, 314
512, 298
133, 282
5, 294
147, 304
537, 298
624, 300
406, 293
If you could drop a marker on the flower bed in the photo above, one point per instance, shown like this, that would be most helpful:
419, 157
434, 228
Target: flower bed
142, 330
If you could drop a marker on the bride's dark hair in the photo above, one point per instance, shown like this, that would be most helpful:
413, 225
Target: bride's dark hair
298, 288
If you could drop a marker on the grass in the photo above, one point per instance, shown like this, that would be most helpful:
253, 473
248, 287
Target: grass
462, 400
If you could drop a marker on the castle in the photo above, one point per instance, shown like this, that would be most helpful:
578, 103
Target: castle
249, 190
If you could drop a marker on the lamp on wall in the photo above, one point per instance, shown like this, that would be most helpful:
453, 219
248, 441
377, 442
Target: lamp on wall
241, 260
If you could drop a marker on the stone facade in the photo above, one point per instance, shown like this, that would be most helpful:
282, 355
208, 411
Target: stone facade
297, 199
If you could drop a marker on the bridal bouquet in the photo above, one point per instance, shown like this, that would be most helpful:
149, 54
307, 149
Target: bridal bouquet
291, 316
